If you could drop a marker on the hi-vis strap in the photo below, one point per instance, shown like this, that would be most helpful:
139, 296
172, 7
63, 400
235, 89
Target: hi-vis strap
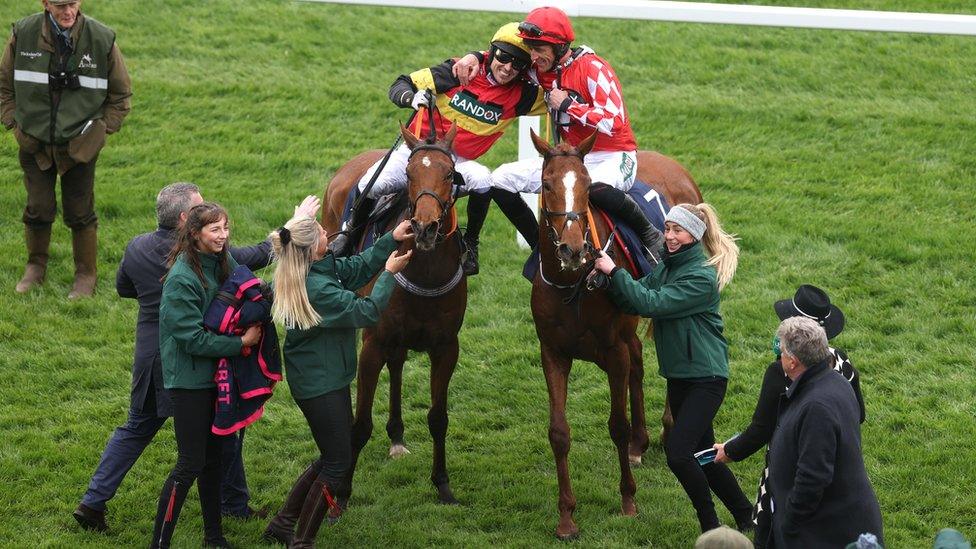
36, 77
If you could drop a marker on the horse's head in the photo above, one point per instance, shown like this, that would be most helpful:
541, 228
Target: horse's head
565, 199
430, 172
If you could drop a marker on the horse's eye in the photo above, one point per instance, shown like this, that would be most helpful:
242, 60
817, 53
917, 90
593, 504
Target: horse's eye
546, 186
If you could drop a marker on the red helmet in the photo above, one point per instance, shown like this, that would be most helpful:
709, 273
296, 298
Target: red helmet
547, 24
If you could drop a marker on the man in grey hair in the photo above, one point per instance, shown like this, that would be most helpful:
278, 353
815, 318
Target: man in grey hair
821, 494
139, 274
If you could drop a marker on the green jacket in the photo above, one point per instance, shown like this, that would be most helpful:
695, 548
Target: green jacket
188, 351
681, 296
323, 358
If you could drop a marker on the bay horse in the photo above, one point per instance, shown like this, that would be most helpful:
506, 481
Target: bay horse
427, 307
573, 323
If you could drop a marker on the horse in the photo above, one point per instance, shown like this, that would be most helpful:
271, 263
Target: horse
573, 323
427, 307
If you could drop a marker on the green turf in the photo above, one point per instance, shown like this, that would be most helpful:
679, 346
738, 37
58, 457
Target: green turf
841, 159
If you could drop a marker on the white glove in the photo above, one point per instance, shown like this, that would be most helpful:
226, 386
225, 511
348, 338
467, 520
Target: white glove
419, 100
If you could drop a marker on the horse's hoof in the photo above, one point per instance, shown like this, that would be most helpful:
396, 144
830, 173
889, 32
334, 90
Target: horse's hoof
397, 451
445, 496
635, 461
628, 509
570, 535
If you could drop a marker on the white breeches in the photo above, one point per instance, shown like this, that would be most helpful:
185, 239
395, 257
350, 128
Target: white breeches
477, 178
615, 168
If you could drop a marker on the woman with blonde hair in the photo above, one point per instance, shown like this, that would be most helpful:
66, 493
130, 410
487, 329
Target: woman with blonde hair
315, 298
681, 295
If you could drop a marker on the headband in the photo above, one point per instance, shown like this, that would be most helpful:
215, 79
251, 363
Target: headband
689, 221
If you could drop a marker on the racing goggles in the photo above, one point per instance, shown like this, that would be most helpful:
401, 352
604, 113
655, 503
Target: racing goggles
531, 30
503, 57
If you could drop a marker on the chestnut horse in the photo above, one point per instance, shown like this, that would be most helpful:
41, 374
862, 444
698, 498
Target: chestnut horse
576, 324
427, 307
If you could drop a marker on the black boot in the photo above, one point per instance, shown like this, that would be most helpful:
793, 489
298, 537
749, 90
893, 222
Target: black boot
477, 212
281, 529
167, 512
621, 204
314, 509
345, 244
519, 213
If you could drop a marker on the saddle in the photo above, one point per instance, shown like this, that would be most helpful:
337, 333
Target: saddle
387, 207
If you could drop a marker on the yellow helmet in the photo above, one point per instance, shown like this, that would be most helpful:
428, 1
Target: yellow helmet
507, 39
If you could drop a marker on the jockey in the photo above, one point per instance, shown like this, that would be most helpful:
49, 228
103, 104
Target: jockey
584, 95
482, 109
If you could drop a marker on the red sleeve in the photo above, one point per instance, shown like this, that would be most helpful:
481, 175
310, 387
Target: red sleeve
604, 109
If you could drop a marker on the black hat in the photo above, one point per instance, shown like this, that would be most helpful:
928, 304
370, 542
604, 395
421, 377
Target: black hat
812, 302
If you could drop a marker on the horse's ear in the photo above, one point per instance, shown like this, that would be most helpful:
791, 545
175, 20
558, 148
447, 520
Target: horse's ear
451, 134
586, 145
540, 145
408, 137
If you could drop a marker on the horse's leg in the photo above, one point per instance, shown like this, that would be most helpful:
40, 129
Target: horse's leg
371, 361
639, 440
443, 360
556, 368
394, 426
616, 362
667, 422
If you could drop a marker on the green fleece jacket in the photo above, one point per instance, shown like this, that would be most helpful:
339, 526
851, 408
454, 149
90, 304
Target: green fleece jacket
187, 350
681, 296
323, 358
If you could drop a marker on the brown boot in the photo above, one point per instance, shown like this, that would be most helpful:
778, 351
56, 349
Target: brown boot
313, 513
281, 529
38, 238
84, 244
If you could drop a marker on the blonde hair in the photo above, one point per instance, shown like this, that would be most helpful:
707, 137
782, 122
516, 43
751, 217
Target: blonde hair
723, 252
291, 306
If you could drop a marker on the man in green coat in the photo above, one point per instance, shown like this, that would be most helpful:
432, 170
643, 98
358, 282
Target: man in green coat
63, 88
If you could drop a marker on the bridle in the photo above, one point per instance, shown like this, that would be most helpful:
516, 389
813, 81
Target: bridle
580, 216
445, 205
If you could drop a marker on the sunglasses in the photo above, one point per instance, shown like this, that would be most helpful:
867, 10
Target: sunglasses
505, 58
535, 31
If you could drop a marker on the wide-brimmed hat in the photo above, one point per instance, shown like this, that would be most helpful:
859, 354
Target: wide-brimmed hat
812, 302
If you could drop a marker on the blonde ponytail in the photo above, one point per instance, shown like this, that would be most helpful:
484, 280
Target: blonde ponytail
720, 246
293, 258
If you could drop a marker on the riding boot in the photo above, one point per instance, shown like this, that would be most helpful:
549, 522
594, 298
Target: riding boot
477, 212
208, 484
84, 244
519, 213
38, 239
167, 512
281, 529
313, 513
345, 243
621, 204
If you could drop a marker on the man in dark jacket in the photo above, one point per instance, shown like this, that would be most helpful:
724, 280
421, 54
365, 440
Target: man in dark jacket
821, 494
142, 267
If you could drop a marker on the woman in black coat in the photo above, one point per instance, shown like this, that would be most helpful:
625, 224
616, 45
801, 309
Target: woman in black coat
811, 302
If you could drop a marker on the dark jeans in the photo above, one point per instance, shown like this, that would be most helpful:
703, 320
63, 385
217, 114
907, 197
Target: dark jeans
330, 418
77, 193
198, 449
122, 451
694, 404
233, 483
130, 440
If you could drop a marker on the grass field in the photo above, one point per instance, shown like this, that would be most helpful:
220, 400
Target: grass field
841, 159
